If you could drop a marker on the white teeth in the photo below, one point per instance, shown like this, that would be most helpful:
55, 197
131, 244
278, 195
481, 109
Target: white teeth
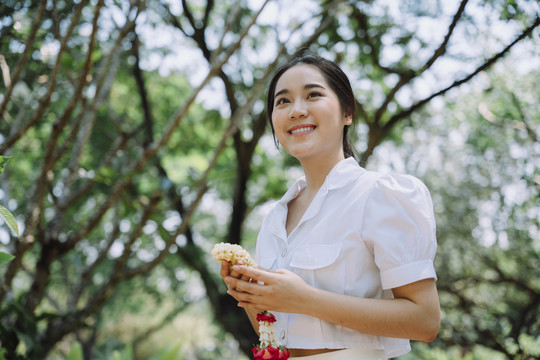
296, 131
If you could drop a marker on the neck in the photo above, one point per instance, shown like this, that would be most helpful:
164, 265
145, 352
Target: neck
317, 169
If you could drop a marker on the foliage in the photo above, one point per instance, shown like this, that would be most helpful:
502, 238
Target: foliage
5, 258
139, 129
492, 285
75, 353
8, 218
486, 194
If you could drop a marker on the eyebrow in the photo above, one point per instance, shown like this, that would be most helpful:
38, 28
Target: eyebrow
307, 86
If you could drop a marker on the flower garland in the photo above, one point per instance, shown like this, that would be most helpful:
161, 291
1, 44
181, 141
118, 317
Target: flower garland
269, 347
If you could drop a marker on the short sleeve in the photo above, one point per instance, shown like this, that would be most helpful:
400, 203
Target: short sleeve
399, 227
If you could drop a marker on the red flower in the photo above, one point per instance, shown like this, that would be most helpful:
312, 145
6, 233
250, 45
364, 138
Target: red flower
268, 353
257, 353
283, 353
266, 316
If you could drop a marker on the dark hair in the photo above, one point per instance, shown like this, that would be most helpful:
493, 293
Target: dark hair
337, 80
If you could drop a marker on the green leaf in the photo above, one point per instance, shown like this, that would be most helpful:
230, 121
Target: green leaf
116, 355
5, 258
3, 161
169, 354
76, 352
9, 219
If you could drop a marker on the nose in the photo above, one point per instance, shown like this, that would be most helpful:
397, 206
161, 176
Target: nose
298, 110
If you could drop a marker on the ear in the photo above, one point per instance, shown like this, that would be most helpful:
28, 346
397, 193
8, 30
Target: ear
348, 119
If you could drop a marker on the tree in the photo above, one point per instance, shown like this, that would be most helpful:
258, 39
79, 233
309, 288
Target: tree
491, 287
115, 155
485, 195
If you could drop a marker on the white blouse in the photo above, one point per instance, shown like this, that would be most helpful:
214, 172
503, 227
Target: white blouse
363, 234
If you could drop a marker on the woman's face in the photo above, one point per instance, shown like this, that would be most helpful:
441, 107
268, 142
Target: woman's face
307, 116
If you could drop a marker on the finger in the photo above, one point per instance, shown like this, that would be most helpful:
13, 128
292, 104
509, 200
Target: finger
239, 275
253, 288
231, 283
245, 278
225, 269
235, 283
242, 296
263, 275
248, 301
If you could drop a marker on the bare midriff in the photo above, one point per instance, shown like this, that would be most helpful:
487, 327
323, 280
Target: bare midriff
307, 352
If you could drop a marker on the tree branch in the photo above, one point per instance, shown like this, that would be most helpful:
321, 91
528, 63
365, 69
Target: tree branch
159, 325
36, 203
228, 24
189, 15
174, 20
394, 119
407, 112
442, 48
61, 123
58, 329
406, 76
86, 274
523, 118
207, 11
138, 75
22, 60
202, 183
102, 89
363, 22
44, 102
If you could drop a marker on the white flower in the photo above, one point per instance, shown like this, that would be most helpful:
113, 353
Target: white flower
232, 253
267, 335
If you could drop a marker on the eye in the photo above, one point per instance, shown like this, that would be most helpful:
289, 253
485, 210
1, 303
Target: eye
314, 94
281, 101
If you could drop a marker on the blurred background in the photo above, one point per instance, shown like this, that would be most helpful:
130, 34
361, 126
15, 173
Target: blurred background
137, 140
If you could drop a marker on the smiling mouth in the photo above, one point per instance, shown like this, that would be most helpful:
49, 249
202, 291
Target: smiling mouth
302, 130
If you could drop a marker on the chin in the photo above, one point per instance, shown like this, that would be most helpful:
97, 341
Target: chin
301, 153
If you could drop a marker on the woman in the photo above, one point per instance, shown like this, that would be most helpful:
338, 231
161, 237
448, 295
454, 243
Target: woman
346, 256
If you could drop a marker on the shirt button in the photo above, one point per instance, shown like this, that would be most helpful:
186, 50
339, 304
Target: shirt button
282, 335
284, 252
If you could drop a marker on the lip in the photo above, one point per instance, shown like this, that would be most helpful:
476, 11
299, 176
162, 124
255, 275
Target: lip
309, 127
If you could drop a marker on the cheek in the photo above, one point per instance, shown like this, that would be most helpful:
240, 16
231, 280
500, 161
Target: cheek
275, 127
277, 120
280, 127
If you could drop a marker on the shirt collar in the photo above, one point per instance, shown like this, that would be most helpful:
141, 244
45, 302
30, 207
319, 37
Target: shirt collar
341, 174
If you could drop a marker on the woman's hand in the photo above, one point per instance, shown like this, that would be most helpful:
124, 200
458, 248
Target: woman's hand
413, 313
232, 279
282, 290
226, 274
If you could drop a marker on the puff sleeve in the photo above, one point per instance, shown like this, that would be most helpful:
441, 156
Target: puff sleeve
399, 228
